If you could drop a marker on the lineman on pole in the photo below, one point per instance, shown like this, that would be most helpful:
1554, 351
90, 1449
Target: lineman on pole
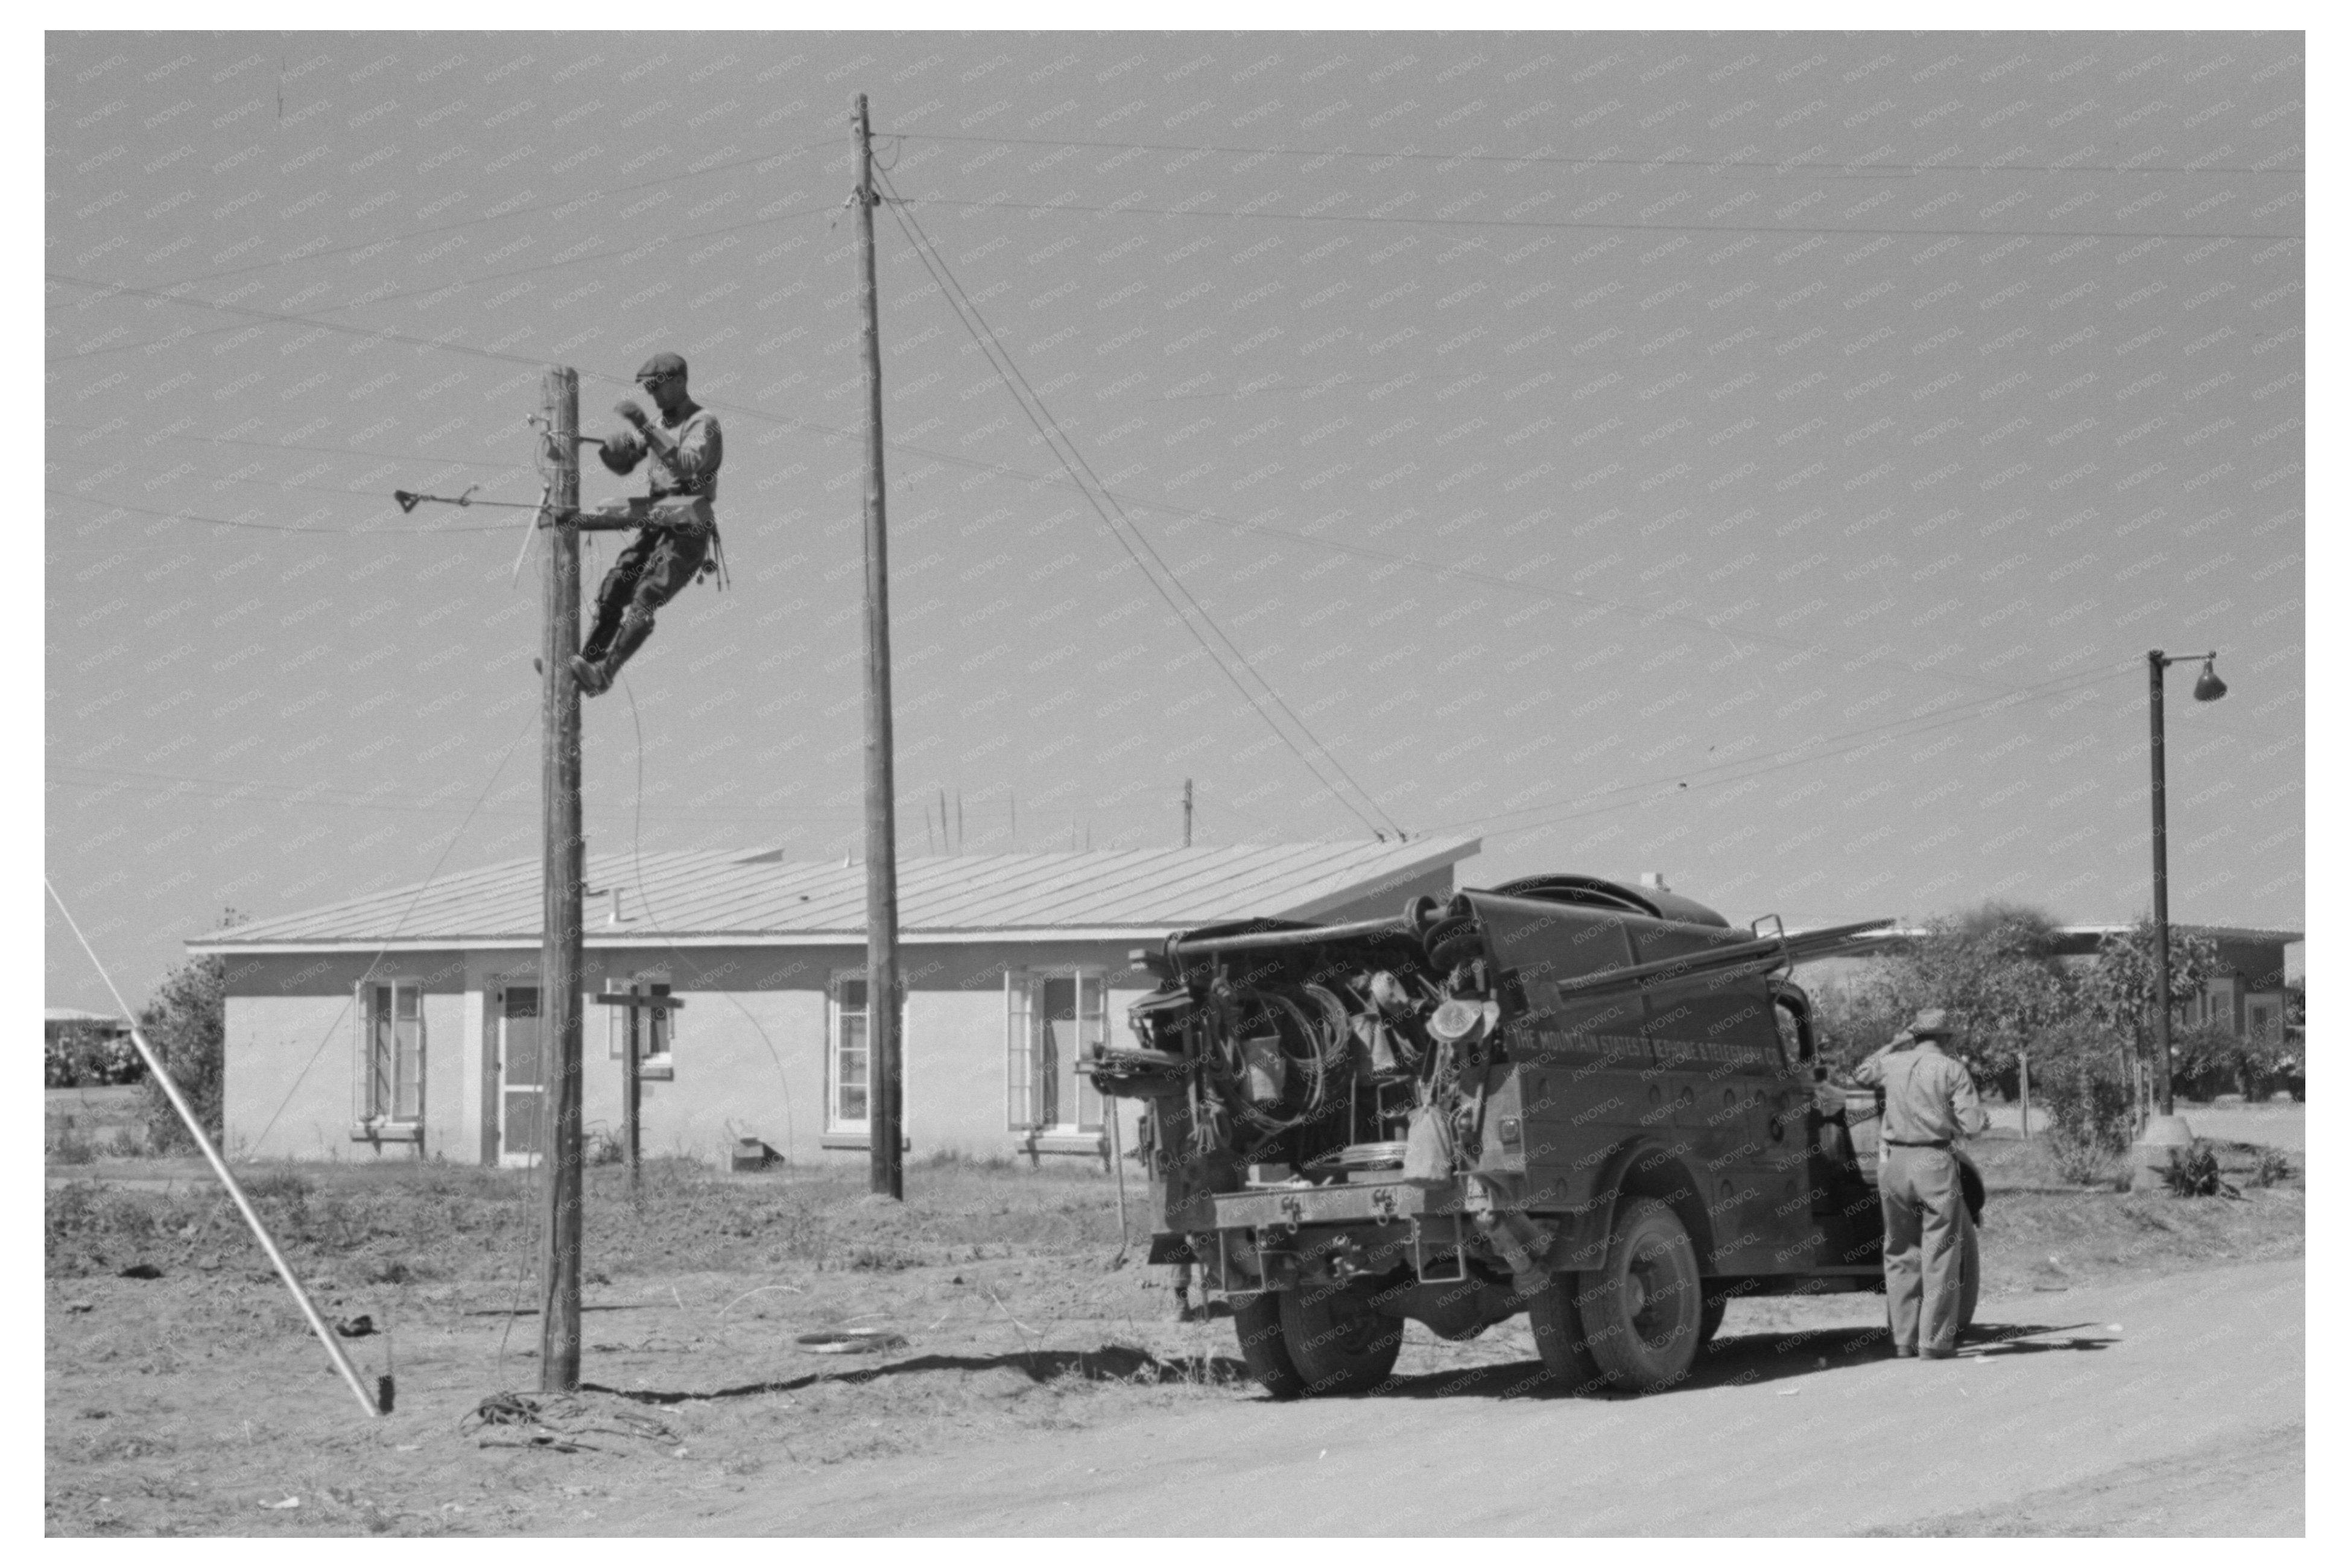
677, 519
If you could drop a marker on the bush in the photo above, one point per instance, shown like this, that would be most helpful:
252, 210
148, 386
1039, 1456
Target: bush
88, 1054
2206, 1061
186, 1025
2084, 1164
2194, 1172
2077, 1078
2272, 1168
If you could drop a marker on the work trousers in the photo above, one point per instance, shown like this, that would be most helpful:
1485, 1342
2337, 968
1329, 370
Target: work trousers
1925, 1232
654, 569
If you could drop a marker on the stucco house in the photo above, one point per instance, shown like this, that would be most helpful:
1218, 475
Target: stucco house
405, 1023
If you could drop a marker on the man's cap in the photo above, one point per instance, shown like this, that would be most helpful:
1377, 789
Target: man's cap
663, 364
1931, 1022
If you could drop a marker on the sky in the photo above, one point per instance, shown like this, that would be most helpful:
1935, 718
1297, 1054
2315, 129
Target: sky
1762, 460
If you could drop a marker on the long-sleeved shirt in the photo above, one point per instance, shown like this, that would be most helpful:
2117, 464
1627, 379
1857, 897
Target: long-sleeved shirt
1928, 1098
682, 491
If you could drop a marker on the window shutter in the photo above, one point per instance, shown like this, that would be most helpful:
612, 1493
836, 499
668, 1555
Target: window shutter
1019, 1087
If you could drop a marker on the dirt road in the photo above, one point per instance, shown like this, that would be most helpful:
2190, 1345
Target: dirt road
2165, 1406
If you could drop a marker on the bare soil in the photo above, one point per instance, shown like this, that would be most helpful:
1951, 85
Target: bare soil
195, 1402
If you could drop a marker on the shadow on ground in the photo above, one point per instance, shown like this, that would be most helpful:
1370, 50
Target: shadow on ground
1746, 1358
1111, 1363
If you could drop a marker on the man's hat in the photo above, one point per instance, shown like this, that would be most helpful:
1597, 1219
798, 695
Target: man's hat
663, 364
1930, 1023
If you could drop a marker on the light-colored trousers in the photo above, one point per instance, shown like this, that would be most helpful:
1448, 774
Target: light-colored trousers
1925, 1224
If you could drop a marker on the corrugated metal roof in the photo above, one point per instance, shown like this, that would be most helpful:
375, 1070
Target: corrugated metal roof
758, 895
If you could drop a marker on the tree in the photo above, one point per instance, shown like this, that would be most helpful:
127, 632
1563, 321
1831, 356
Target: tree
2119, 987
186, 1023
1992, 969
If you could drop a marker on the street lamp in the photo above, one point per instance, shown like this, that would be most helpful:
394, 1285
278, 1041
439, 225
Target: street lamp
2209, 688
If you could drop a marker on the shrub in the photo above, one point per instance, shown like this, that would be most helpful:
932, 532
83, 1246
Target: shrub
186, 1025
2077, 1077
90, 1053
2084, 1164
2194, 1172
2206, 1059
2272, 1168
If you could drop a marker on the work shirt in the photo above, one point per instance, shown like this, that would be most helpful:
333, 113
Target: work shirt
1928, 1098
684, 491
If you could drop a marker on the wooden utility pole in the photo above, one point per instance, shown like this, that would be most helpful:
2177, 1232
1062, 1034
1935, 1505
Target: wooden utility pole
561, 957
883, 1068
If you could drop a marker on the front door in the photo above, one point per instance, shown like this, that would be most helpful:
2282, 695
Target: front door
522, 1078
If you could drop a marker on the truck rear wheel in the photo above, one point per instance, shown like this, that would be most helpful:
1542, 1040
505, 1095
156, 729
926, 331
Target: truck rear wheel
1337, 1342
1645, 1311
1256, 1321
1559, 1338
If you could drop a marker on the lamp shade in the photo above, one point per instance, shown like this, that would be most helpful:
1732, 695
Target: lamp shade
2208, 686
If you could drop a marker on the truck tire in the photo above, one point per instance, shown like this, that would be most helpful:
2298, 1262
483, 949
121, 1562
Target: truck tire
1645, 1311
1256, 1320
1559, 1338
1710, 1321
1336, 1342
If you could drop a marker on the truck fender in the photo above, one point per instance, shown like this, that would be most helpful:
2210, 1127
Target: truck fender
1644, 1166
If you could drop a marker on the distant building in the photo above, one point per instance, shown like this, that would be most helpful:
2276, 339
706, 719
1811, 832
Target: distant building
406, 1022
56, 1021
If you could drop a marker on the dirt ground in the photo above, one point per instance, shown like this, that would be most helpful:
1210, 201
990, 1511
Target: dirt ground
194, 1401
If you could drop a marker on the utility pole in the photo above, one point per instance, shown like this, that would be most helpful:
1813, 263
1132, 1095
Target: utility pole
561, 957
882, 1098
1187, 814
2155, 665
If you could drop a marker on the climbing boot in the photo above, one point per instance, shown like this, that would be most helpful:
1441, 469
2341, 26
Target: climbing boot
591, 677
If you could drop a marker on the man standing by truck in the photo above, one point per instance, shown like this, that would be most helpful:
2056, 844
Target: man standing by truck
1929, 1102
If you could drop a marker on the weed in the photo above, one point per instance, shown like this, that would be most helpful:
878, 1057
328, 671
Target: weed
2084, 1162
2273, 1168
69, 1147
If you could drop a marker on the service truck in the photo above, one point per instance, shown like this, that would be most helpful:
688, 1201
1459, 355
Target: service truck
1597, 1104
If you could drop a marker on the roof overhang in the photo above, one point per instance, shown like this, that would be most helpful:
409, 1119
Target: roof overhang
612, 937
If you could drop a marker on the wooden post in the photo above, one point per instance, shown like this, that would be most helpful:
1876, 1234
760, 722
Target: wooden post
561, 956
882, 1065
2023, 1084
640, 1021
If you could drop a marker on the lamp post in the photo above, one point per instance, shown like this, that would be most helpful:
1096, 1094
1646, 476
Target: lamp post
2209, 688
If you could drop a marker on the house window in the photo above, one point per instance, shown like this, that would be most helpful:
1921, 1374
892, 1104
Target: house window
390, 1065
1052, 1021
848, 1057
651, 1032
